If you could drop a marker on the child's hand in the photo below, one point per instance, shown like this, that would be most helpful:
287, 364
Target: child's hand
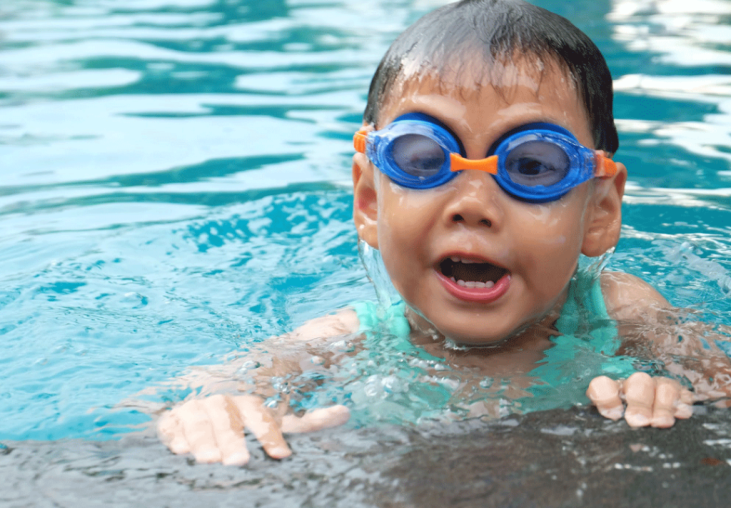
655, 401
212, 428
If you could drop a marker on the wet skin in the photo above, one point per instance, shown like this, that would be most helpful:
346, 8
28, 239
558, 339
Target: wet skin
535, 247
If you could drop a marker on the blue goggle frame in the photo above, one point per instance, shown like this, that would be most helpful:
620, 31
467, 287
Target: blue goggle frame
576, 163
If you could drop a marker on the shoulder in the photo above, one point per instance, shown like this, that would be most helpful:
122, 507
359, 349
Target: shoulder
628, 297
341, 322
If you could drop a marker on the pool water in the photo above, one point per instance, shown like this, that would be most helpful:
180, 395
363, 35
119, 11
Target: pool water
176, 183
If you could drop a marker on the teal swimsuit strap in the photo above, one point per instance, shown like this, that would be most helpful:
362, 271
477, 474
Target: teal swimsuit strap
394, 328
585, 304
370, 318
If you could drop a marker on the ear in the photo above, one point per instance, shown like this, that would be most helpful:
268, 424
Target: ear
365, 200
604, 218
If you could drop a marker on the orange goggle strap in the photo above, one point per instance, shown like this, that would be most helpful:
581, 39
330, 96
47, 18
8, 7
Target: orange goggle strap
605, 167
359, 141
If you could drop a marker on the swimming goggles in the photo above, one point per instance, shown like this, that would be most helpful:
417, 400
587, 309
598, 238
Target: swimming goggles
538, 162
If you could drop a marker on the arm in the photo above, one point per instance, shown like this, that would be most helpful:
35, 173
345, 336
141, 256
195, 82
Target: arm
651, 327
212, 427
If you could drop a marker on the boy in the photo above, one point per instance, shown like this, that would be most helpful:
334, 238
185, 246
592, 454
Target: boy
483, 169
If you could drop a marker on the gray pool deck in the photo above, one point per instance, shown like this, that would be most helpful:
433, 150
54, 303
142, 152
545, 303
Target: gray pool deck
548, 459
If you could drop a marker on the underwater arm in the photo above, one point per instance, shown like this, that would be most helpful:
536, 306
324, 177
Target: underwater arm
212, 427
652, 328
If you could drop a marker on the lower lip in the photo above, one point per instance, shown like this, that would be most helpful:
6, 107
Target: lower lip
481, 295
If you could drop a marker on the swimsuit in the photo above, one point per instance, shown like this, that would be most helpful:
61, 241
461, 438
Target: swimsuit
584, 348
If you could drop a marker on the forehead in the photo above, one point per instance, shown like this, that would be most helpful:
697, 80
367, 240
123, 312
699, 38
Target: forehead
508, 93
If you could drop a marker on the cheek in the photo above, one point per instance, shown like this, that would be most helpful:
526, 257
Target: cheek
406, 234
405, 219
552, 247
397, 235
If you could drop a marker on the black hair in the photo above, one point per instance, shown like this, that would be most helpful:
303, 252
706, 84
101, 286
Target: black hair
444, 42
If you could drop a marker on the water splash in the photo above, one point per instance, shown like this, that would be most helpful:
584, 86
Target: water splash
378, 275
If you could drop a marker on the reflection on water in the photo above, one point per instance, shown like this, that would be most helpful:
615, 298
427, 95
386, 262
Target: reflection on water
683, 48
152, 86
671, 65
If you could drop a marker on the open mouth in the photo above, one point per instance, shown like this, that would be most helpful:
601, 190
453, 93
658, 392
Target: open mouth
471, 274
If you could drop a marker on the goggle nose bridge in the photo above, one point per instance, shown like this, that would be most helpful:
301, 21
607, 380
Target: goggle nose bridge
458, 163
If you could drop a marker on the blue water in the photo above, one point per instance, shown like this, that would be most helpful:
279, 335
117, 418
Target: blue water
176, 180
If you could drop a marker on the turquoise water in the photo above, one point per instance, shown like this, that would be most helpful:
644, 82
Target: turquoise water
175, 181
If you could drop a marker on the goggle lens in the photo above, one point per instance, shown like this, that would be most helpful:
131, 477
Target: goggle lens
537, 162
418, 155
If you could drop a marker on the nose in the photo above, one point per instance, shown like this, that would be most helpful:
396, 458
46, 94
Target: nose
477, 201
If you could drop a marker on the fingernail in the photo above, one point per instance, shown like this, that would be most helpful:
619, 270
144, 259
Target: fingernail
663, 422
207, 456
637, 420
614, 413
179, 447
683, 411
337, 415
236, 459
279, 452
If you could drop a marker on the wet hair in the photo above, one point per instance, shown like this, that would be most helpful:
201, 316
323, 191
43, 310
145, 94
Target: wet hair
445, 42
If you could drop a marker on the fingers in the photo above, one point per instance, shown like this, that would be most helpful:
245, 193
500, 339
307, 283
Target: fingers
639, 393
684, 407
228, 430
667, 396
259, 420
198, 431
604, 394
171, 433
316, 420
669, 401
651, 401
210, 429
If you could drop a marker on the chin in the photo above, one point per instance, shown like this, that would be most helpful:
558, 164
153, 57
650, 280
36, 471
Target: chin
467, 329
469, 338
466, 336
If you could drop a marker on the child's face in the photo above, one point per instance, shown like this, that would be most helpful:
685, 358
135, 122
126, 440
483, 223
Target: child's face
424, 236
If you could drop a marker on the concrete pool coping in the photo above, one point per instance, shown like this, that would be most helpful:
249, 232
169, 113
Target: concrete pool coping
553, 458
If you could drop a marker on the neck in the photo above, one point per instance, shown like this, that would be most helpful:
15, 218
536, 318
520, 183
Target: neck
516, 354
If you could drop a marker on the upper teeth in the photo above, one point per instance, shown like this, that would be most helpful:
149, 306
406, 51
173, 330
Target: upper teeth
458, 259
